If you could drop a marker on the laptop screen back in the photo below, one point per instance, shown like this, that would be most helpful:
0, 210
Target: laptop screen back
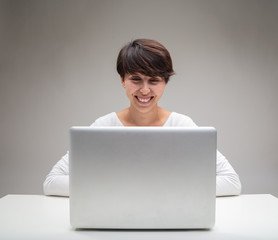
142, 177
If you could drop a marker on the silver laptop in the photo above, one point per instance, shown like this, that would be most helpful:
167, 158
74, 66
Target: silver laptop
142, 177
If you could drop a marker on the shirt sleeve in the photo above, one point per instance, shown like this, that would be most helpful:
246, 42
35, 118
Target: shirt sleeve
57, 181
227, 180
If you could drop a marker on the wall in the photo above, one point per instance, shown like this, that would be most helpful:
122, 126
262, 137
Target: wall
57, 69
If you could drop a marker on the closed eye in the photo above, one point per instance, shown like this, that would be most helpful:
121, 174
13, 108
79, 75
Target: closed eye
153, 81
136, 79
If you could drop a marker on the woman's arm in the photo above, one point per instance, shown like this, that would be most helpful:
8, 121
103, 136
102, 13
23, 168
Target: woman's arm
227, 180
57, 181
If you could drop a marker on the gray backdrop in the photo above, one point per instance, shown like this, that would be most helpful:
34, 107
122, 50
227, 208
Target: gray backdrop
57, 69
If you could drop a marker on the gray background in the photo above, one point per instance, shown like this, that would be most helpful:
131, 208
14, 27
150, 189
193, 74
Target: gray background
57, 69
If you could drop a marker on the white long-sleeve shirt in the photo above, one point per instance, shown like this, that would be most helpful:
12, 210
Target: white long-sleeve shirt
227, 180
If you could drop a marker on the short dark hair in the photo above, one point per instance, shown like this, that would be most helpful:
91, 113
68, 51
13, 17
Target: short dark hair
147, 57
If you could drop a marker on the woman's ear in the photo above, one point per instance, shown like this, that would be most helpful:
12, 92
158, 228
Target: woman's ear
123, 82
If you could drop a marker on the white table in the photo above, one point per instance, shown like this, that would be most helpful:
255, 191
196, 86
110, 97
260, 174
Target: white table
39, 217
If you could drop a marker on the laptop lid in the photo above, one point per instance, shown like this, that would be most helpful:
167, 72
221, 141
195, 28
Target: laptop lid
142, 177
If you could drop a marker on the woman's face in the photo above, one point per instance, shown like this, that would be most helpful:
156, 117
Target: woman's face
143, 91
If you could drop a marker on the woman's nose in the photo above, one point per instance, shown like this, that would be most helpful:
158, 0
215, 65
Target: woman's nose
145, 89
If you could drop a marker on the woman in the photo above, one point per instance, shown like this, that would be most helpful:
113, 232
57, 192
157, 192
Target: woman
145, 67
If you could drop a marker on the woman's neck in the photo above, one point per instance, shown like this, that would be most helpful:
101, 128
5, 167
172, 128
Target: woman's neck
156, 117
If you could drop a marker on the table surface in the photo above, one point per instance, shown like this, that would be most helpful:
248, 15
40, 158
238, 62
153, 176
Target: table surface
41, 217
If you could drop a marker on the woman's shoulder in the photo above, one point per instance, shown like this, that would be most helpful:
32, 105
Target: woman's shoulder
180, 120
107, 120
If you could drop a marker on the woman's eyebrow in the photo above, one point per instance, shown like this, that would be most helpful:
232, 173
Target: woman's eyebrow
135, 75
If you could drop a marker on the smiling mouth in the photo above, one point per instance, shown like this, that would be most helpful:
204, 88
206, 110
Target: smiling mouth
144, 100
